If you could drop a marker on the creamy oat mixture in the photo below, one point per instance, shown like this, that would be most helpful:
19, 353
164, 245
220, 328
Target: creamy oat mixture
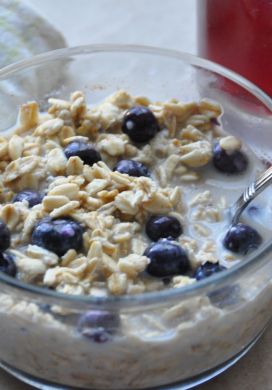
110, 210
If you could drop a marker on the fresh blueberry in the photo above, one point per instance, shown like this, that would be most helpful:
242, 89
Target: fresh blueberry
253, 211
166, 259
4, 236
242, 238
140, 124
7, 264
45, 307
58, 235
86, 152
163, 226
208, 269
31, 196
132, 168
167, 280
215, 121
98, 326
232, 163
225, 296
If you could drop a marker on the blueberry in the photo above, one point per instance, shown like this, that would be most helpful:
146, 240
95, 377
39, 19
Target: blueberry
163, 226
225, 296
31, 196
208, 269
215, 121
86, 152
7, 264
140, 124
166, 259
235, 162
45, 307
4, 236
253, 210
58, 235
98, 326
242, 238
132, 168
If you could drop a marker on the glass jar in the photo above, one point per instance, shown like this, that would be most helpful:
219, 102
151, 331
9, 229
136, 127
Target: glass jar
238, 35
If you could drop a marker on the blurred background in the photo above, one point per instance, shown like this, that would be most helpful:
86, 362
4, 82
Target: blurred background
152, 22
170, 24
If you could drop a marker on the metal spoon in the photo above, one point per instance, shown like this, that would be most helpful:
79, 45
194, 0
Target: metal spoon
249, 194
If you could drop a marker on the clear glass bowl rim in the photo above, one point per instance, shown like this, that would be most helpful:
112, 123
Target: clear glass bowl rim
200, 287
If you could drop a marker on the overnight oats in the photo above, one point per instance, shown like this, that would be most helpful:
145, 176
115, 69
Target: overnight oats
123, 198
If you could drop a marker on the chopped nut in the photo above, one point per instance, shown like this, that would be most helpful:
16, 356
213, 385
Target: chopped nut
15, 147
52, 202
10, 215
50, 127
210, 108
54, 276
68, 257
129, 201
117, 284
59, 103
158, 203
193, 176
133, 264
67, 134
28, 116
65, 210
196, 154
121, 99
191, 133
95, 250
113, 145
56, 162
181, 281
30, 222
230, 144
73, 138
96, 185
29, 269
70, 190
20, 167
74, 166
47, 257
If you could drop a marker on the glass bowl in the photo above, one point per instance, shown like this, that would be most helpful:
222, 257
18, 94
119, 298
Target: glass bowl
175, 338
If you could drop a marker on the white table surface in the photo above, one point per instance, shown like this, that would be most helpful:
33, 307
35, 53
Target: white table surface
170, 24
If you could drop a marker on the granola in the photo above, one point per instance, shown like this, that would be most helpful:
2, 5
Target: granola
111, 206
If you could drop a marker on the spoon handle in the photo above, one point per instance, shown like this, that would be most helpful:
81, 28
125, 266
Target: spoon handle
249, 194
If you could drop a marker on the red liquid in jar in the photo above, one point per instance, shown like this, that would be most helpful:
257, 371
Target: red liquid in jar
238, 35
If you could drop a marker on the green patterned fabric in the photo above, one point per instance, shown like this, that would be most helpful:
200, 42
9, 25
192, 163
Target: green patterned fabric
23, 33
